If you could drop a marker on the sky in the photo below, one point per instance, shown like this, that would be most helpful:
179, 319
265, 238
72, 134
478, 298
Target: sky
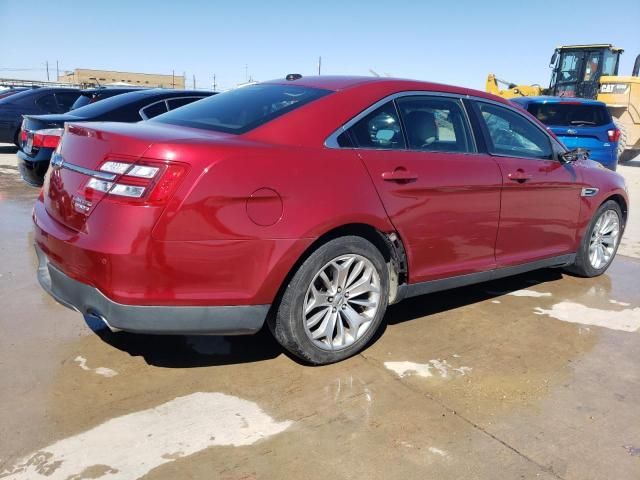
454, 42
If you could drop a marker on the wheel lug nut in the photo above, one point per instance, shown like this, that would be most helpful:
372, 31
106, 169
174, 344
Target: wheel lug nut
344, 306
330, 299
346, 295
334, 309
339, 289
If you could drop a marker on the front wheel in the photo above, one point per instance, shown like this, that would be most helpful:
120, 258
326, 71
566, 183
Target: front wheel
600, 242
334, 303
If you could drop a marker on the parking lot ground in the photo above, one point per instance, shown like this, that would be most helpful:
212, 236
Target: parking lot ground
530, 377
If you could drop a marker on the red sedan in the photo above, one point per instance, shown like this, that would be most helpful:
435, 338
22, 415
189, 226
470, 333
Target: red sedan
311, 204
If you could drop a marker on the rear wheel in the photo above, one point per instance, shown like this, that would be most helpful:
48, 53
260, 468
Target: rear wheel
334, 303
600, 242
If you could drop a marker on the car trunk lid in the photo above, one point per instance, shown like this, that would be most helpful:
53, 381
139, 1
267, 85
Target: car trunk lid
579, 136
81, 156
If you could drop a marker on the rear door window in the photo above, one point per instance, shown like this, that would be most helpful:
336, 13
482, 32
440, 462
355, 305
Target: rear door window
570, 114
381, 129
511, 134
435, 124
181, 102
153, 110
65, 100
48, 103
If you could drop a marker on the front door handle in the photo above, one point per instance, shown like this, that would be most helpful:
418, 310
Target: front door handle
399, 175
519, 176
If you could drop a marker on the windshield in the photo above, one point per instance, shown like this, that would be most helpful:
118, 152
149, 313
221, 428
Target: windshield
566, 114
242, 109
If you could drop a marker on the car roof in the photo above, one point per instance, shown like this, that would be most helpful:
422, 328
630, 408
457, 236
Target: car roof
550, 99
170, 91
337, 83
111, 89
25, 94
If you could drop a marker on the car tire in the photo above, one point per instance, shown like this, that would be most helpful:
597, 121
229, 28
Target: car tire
16, 139
585, 264
622, 152
318, 319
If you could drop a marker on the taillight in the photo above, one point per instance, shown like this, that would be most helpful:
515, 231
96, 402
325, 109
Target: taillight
614, 135
47, 138
147, 181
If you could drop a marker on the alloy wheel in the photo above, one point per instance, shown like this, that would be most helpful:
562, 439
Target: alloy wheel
341, 302
604, 239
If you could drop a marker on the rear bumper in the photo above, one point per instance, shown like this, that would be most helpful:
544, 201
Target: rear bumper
216, 320
33, 169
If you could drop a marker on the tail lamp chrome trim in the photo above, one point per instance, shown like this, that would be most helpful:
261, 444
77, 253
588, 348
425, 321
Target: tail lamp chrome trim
58, 162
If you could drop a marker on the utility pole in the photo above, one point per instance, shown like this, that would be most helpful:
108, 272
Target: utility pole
214, 82
47, 70
319, 65
246, 72
184, 80
173, 79
194, 81
57, 71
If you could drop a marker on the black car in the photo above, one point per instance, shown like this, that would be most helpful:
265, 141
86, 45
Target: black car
32, 102
93, 95
41, 133
7, 92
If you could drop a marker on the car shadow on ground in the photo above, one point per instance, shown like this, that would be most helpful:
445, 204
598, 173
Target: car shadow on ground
425, 305
632, 163
8, 149
180, 351
189, 351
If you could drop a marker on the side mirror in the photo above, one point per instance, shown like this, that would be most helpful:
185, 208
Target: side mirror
574, 155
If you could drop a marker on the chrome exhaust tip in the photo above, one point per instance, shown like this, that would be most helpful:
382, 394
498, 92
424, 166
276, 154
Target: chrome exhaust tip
103, 320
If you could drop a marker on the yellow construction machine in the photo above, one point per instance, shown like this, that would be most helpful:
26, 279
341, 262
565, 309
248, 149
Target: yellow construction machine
512, 90
590, 71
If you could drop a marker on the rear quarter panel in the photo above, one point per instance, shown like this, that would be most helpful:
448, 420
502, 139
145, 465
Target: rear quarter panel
310, 191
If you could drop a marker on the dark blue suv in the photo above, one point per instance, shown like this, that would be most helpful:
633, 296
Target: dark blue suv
578, 123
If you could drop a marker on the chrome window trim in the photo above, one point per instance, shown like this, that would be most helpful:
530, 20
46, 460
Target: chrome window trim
166, 104
332, 140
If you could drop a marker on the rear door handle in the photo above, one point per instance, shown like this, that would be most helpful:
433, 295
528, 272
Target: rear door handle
519, 176
399, 175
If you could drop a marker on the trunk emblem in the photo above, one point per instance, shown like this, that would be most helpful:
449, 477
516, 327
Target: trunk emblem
571, 131
56, 161
81, 205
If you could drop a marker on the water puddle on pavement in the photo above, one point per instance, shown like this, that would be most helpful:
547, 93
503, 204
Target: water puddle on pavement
433, 368
131, 445
626, 320
102, 371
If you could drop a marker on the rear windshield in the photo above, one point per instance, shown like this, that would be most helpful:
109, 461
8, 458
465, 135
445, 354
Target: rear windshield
242, 109
92, 110
563, 114
82, 101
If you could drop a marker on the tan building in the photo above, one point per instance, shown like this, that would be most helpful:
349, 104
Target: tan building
107, 77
